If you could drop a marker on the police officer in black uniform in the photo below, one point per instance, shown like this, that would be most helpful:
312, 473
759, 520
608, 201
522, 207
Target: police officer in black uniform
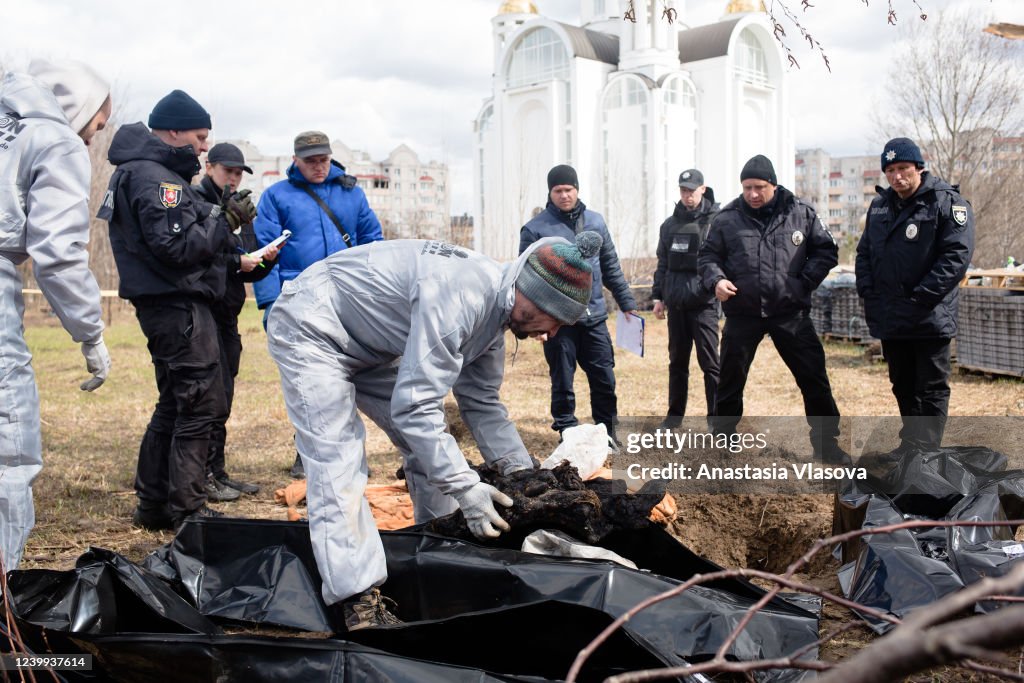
917, 243
225, 164
167, 242
766, 252
679, 291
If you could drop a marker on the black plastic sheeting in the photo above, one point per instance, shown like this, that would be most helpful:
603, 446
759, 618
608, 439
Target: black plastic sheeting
899, 572
473, 613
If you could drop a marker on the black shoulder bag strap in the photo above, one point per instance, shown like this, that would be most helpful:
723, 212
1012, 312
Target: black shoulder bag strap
330, 214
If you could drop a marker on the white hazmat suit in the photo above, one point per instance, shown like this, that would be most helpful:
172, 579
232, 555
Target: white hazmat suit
44, 214
389, 328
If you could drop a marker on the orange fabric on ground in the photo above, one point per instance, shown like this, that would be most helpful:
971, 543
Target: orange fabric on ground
390, 504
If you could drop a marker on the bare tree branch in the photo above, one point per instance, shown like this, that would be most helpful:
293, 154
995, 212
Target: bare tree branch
976, 646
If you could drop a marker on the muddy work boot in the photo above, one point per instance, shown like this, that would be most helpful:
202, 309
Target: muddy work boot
368, 609
219, 492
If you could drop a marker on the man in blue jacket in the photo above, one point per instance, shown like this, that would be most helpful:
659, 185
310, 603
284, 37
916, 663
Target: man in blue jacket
917, 244
587, 342
325, 211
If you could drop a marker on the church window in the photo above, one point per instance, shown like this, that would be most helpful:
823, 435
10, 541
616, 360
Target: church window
539, 56
485, 121
750, 59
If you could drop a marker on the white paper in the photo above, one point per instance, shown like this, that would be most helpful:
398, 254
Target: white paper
1013, 550
629, 333
277, 242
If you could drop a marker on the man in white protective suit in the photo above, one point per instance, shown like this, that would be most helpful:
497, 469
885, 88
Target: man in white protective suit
47, 117
390, 328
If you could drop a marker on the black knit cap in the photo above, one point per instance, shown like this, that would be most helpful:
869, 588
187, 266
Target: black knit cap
178, 111
901, 149
562, 175
760, 168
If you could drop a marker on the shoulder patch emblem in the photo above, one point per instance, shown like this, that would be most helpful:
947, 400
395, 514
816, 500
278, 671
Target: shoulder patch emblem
797, 237
960, 214
170, 195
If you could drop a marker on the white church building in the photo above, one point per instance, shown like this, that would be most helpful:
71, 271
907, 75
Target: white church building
628, 104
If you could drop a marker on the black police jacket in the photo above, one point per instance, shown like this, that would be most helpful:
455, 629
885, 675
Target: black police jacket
677, 280
242, 241
774, 264
165, 237
911, 259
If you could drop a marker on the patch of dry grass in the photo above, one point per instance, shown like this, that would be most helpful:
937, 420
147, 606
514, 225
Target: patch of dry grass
84, 495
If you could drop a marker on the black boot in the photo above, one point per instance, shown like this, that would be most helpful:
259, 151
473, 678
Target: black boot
152, 516
297, 471
242, 486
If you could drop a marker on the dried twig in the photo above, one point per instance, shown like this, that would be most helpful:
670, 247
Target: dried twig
938, 645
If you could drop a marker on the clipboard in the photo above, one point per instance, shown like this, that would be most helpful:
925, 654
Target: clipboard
277, 242
629, 332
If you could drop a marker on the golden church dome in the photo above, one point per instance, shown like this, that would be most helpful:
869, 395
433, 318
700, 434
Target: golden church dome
741, 6
517, 7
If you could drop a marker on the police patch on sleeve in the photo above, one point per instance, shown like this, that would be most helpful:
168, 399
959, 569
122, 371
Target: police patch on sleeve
170, 195
797, 237
960, 214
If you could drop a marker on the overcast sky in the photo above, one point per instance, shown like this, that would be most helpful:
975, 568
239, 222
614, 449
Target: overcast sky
376, 74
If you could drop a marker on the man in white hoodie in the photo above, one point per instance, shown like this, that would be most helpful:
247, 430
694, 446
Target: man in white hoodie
47, 117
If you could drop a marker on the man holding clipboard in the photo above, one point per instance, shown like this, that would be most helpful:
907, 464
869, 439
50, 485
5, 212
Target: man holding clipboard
587, 342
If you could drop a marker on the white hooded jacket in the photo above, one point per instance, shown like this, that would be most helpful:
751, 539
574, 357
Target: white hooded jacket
44, 192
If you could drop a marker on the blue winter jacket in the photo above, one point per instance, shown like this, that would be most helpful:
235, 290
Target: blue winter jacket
285, 205
552, 222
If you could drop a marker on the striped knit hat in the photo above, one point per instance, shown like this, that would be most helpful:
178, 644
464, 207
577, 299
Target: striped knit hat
557, 278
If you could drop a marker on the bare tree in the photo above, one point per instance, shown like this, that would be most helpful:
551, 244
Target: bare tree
780, 13
959, 91
101, 258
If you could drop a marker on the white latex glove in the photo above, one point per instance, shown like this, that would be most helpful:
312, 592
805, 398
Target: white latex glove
518, 466
97, 361
477, 505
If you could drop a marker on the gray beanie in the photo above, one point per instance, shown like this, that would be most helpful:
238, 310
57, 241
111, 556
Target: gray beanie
558, 279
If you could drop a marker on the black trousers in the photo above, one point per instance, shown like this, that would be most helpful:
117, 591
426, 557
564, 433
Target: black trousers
181, 336
591, 347
688, 327
798, 345
919, 372
230, 357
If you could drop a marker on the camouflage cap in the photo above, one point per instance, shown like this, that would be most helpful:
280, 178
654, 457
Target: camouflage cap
311, 143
